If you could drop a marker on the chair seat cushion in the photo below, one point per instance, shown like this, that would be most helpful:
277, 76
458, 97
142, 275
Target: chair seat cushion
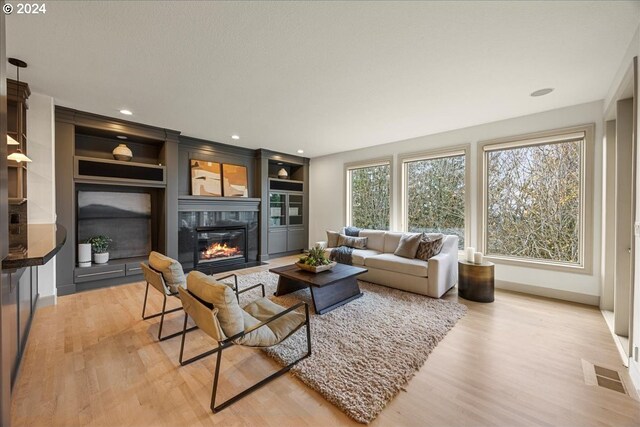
391, 262
359, 256
171, 270
273, 332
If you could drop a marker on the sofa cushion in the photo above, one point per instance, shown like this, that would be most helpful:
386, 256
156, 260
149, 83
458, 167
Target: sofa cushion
222, 297
375, 239
430, 245
360, 255
352, 242
391, 240
170, 269
391, 262
408, 245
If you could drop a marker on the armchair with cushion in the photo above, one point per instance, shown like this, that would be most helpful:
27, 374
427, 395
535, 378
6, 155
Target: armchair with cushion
214, 308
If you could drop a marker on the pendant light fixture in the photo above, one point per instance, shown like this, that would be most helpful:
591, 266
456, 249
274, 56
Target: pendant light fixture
18, 156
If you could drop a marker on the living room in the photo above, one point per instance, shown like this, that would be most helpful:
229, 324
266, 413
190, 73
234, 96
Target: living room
385, 213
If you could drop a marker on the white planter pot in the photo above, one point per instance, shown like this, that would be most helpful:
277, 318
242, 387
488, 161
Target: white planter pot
84, 254
101, 258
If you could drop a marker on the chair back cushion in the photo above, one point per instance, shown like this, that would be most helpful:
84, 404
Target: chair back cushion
222, 297
204, 317
170, 268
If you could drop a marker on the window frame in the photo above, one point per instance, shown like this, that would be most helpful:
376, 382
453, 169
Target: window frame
452, 151
348, 167
587, 131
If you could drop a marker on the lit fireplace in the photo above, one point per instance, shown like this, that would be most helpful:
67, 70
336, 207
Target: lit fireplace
220, 247
217, 250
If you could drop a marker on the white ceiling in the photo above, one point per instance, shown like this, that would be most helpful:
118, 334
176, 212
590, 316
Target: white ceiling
321, 76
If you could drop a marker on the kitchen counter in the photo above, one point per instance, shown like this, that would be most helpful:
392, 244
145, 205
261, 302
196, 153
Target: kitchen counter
43, 242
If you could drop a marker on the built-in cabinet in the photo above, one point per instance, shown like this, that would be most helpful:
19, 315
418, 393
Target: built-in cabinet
286, 222
19, 301
284, 193
133, 202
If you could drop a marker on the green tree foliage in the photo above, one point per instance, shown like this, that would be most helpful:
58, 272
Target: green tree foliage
370, 197
533, 206
435, 196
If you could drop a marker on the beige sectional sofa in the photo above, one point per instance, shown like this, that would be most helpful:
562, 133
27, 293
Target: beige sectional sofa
432, 278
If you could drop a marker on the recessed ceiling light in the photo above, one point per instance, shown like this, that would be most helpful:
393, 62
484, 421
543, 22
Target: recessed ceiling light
126, 112
542, 92
235, 137
280, 163
121, 137
300, 151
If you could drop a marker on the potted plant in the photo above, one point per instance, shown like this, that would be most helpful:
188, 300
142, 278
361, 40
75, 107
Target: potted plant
315, 261
100, 247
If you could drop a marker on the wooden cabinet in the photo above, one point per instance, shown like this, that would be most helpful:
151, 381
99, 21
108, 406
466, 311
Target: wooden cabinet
286, 219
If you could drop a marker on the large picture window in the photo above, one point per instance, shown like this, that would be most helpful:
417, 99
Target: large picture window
369, 195
534, 199
434, 199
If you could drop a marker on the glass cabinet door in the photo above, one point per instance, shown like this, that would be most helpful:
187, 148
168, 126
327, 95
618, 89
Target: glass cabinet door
295, 210
277, 209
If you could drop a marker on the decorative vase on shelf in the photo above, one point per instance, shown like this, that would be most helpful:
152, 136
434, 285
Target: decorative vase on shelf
84, 255
122, 152
102, 258
282, 174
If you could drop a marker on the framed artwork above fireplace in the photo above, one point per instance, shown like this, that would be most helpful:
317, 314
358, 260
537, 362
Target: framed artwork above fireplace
234, 178
205, 178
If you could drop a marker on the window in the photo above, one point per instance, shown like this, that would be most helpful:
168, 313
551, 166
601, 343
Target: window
536, 203
434, 196
369, 195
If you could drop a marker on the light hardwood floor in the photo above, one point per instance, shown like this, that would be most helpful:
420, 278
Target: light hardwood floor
92, 361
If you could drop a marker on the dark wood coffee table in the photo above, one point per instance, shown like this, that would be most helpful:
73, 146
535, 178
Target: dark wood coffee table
329, 289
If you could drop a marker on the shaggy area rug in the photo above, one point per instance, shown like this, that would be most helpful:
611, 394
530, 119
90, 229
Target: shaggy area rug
366, 351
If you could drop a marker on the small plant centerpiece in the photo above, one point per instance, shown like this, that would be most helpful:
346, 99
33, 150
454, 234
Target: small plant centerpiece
100, 248
315, 261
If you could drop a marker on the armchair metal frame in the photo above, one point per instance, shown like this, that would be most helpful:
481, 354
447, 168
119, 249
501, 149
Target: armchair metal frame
228, 342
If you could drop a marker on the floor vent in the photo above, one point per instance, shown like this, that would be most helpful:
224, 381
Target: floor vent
603, 377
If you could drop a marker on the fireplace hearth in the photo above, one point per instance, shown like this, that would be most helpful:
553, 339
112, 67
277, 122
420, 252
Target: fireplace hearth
220, 248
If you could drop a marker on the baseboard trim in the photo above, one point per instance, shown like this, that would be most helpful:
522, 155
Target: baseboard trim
46, 301
549, 293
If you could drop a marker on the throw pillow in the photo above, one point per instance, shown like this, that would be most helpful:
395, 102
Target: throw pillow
408, 245
352, 242
430, 245
170, 268
352, 231
332, 238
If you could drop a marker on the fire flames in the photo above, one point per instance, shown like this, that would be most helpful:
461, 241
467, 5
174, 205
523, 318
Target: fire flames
216, 250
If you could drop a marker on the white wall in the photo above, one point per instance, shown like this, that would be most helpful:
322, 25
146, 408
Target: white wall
41, 206
328, 199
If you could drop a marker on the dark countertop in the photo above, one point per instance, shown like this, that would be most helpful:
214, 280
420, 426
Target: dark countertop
43, 242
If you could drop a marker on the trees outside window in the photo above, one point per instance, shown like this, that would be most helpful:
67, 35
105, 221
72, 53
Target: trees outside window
434, 195
534, 200
369, 196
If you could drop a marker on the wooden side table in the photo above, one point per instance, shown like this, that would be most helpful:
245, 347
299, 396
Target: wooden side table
476, 281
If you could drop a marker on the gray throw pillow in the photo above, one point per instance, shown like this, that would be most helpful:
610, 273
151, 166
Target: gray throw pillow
408, 245
430, 245
332, 239
352, 242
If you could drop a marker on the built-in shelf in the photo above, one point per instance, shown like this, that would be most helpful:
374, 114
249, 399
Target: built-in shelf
110, 270
16, 201
91, 169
